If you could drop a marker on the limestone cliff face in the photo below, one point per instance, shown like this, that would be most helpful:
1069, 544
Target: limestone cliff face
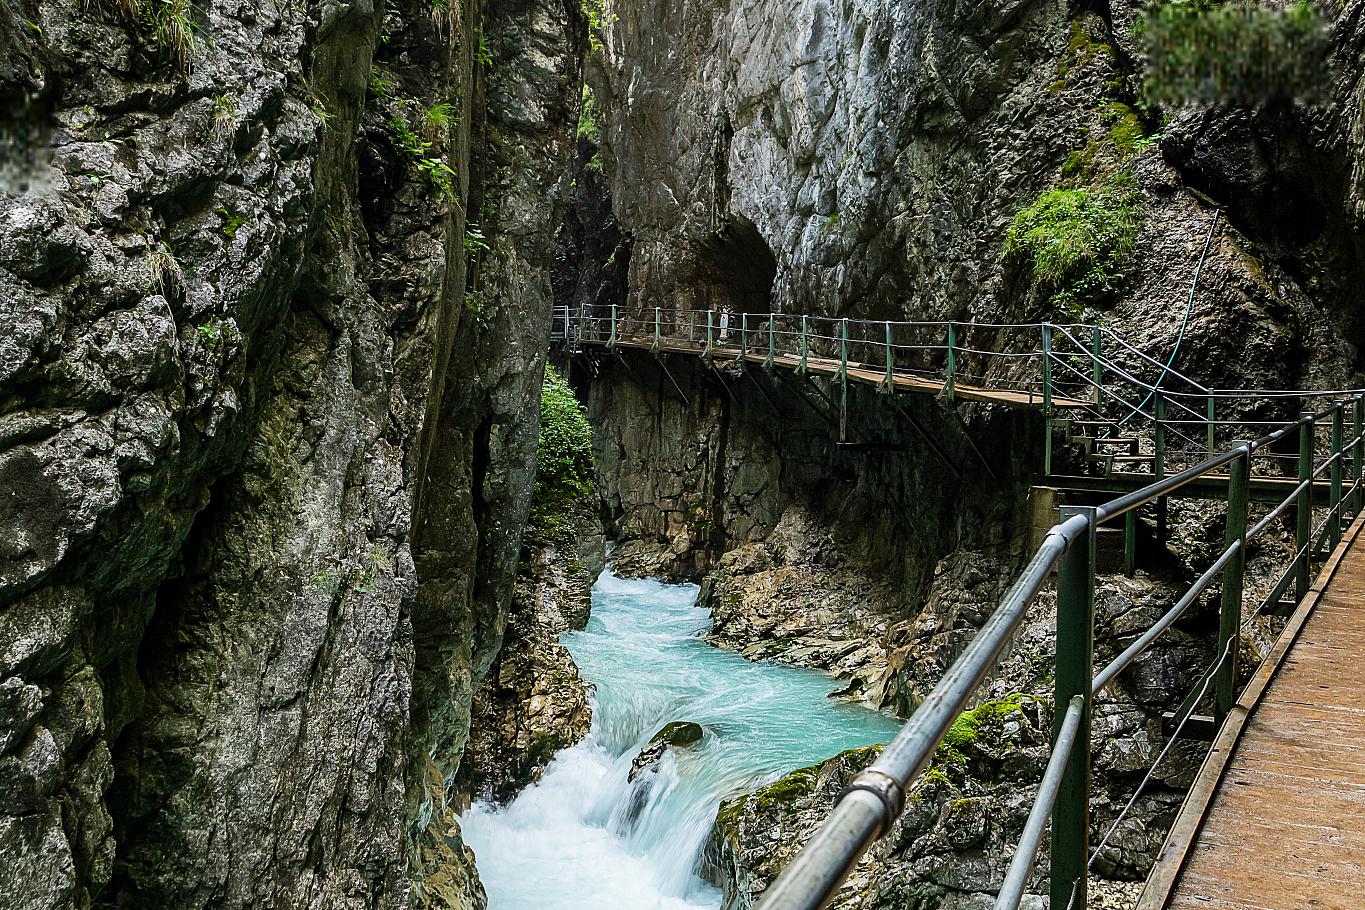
262, 461
865, 159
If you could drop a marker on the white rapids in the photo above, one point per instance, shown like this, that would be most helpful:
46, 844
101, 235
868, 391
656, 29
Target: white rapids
586, 839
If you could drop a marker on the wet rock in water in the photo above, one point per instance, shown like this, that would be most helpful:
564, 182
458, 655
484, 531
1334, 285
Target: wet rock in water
676, 734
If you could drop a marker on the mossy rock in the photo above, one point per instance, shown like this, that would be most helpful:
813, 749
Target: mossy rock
679, 733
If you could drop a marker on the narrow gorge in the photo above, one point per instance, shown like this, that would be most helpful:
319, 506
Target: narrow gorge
405, 501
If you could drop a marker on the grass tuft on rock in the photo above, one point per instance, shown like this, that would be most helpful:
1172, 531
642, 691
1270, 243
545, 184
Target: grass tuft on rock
1077, 240
1239, 53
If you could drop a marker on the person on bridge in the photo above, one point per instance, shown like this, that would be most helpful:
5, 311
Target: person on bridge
724, 324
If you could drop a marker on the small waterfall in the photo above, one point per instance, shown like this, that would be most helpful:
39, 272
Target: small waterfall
587, 838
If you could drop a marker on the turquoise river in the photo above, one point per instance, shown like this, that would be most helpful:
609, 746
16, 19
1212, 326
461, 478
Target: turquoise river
584, 838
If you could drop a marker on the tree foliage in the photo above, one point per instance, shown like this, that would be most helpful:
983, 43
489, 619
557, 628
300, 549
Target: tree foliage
1238, 53
564, 466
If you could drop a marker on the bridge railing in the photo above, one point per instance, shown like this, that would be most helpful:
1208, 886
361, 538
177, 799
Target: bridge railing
870, 806
1094, 372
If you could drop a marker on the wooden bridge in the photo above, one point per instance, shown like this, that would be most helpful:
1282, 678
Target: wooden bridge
1276, 817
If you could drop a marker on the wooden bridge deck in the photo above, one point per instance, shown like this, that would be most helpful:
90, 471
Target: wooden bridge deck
861, 372
1276, 817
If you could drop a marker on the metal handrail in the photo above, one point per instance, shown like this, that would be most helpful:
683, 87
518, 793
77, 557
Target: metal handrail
868, 808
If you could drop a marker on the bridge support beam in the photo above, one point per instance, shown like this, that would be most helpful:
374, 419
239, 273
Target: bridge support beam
1075, 669
1159, 463
1047, 400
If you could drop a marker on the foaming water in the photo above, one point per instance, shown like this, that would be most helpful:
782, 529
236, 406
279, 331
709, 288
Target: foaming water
585, 838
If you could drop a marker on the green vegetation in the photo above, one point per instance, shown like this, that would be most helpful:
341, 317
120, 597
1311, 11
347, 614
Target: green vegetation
564, 468
418, 133
382, 82
1238, 53
421, 152
595, 11
981, 723
444, 14
224, 116
1077, 241
209, 333
165, 23
319, 109
589, 127
482, 54
474, 240
232, 221
437, 120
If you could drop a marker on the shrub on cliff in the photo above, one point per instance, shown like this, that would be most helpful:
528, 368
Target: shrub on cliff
1076, 241
564, 469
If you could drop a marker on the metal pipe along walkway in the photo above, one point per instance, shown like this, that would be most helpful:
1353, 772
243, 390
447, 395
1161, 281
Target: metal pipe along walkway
1276, 817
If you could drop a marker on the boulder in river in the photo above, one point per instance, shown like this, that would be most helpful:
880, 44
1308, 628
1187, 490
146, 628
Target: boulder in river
678, 733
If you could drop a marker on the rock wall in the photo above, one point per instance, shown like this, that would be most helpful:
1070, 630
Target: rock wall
865, 159
266, 443
534, 702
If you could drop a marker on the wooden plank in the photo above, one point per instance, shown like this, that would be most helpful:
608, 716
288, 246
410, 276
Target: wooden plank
1276, 817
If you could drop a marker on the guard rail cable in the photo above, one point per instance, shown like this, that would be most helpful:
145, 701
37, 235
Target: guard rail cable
1108, 376
865, 810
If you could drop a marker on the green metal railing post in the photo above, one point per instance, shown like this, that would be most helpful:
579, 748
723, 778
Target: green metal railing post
805, 345
1357, 413
1234, 576
658, 329
1159, 462
611, 339
1047, 399
1130, 543
1074, 675
950, 386
772, 341
1338, 473
710, 332
1211, 411
743, 338
843, 351
843, 380
1097, 366
1303, 525
890, 362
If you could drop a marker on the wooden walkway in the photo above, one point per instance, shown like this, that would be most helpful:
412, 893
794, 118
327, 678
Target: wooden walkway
861, 372
1276, 818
